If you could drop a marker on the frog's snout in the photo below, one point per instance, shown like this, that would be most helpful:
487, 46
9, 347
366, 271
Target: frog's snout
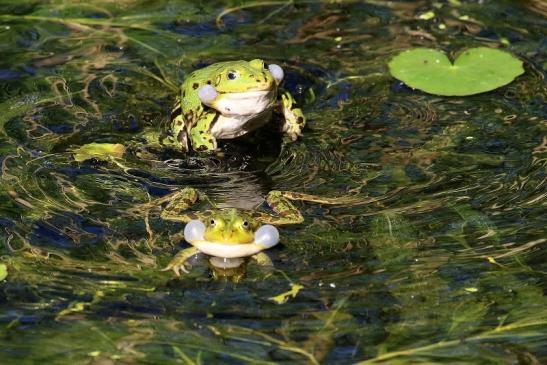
227, 234
277, 73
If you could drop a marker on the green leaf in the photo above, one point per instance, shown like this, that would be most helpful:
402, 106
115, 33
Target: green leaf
427, 16
101, 151
284, 297
3, 272
476, 70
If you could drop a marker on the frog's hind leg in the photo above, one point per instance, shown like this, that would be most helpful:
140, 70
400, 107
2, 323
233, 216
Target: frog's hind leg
200, 133
346, 200
294, 118
285, 211
179, 204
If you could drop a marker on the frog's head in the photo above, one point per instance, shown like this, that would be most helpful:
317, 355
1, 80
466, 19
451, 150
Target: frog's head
243, 76
230, 226
241, 87
230, 233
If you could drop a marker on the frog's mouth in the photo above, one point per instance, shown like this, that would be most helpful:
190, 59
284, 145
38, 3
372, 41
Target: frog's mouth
250, 102
265, 237
244, 103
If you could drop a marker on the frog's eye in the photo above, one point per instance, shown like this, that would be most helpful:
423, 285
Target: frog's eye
266, 66
232, 75
212, 222
245, 225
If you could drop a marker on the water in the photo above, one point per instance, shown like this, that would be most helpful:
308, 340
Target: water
446, 264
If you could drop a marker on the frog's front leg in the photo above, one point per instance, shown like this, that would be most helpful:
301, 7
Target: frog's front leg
262, 259
294, 118
179, 135
177, 264
200, 133
265, 262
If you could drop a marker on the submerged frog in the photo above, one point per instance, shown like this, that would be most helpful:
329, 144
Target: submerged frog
228, 99
230, 234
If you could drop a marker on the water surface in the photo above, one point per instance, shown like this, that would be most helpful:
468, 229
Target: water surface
446, 266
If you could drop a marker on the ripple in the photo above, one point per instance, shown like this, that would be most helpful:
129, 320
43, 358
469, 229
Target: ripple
301, 167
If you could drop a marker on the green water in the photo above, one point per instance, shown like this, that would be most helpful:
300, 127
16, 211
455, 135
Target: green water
447, 265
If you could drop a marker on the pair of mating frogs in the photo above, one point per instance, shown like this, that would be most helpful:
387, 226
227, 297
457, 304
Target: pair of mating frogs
222, 101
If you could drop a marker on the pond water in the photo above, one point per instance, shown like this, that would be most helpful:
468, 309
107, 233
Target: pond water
443, 262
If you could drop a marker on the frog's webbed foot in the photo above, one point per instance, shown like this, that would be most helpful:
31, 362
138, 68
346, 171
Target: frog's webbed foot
178, 263
294, 118
202, 139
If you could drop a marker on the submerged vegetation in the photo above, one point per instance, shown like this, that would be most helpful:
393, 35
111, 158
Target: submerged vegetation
444, 264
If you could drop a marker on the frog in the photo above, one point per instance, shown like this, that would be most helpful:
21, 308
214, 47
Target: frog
228, 99
229, 235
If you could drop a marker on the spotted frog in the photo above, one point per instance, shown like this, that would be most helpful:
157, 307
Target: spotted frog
228, 99
233, 233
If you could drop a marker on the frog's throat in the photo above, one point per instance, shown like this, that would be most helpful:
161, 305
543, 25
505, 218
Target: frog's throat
230, 251
244, 103
233, 126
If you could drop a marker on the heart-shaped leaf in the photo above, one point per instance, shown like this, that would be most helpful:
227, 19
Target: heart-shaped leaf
476, 70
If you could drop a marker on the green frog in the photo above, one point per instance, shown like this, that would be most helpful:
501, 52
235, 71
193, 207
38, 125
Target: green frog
228, 99
230, 234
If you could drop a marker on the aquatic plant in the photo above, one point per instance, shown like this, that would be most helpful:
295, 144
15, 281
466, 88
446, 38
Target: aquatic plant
474, 71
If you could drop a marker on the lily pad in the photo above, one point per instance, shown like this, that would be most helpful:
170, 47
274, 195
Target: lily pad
100, 151
475, 71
